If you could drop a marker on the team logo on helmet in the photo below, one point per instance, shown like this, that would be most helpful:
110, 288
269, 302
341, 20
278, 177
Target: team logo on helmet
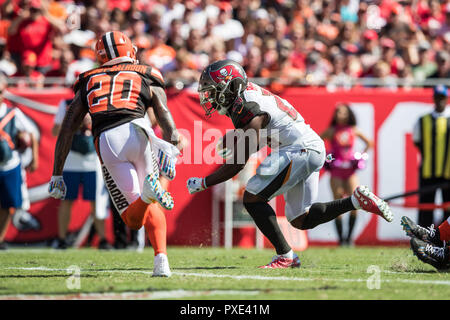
225, 74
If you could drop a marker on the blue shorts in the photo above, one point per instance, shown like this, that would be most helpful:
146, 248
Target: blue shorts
73, 180
10, 188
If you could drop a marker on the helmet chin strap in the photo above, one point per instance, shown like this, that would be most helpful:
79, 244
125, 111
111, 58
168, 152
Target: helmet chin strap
222, 111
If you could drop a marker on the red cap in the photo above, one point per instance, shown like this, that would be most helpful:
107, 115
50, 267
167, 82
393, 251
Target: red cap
370, 34
225, 6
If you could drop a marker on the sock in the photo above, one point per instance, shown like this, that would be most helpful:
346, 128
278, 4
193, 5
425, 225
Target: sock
338, 224
134, 216
351, 225
444, 231
266, 221
323, 212
155, 226
289, 255
355, 202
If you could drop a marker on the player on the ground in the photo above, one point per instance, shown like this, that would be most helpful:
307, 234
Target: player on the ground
430, 245
117, 96
292, 169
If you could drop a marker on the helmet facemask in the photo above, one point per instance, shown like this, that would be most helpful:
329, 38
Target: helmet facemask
217, 98
220, 84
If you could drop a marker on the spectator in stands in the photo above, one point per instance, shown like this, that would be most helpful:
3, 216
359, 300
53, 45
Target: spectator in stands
136, 11
340, 76
27, 75
185, 69
12, 123
443, 63
388, 55
160, 55
206, 10
227, 27
370, 51
248, 40
175, 38
173, 9
33, 30
358, 31
7, 66
426, 66
198, 58
253, 63
445, 27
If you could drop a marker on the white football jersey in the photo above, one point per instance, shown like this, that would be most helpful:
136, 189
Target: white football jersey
286, 125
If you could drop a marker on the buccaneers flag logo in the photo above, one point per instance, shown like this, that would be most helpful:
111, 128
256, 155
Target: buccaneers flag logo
225, 74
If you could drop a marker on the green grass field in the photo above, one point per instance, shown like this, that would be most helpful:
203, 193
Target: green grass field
208, 273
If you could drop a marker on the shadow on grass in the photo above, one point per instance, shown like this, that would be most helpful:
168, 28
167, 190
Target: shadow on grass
19, 276
112, 292
205, 268
428, 271
116, 269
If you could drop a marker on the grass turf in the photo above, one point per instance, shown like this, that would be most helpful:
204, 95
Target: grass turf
210, 273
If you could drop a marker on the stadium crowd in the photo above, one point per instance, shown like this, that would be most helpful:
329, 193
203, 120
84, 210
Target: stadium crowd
310, 42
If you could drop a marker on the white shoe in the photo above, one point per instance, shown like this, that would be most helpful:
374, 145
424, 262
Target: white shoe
161, 266
152, 191
363, 198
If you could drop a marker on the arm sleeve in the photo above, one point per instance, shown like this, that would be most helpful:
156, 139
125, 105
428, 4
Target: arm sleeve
59, 117
23, 123
241, 115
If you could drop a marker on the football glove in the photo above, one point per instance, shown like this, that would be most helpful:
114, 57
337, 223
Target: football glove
196, 185
57, 188
167, 165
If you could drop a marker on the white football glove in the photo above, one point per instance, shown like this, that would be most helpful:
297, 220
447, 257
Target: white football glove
196, 185
57, 187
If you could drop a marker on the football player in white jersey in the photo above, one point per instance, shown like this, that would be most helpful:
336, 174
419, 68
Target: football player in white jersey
292, 168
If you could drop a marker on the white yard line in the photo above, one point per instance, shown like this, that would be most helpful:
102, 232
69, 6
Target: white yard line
249, 277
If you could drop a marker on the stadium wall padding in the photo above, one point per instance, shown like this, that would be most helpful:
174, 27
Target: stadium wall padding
384, 115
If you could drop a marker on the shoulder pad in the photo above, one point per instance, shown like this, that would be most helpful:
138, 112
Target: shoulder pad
243, 112
155, 75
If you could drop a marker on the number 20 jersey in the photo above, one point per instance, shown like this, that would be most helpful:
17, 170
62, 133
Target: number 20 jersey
286, 127
117, 94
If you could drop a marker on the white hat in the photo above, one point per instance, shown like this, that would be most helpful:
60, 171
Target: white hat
235, 56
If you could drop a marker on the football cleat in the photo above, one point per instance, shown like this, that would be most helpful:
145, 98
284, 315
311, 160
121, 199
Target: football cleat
362, 198
429, 234
161, 266
152, 191
438, 257
280, 262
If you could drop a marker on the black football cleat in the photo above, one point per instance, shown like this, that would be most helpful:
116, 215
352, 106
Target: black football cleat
61, 244
438, 257
104, 245
429, 234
